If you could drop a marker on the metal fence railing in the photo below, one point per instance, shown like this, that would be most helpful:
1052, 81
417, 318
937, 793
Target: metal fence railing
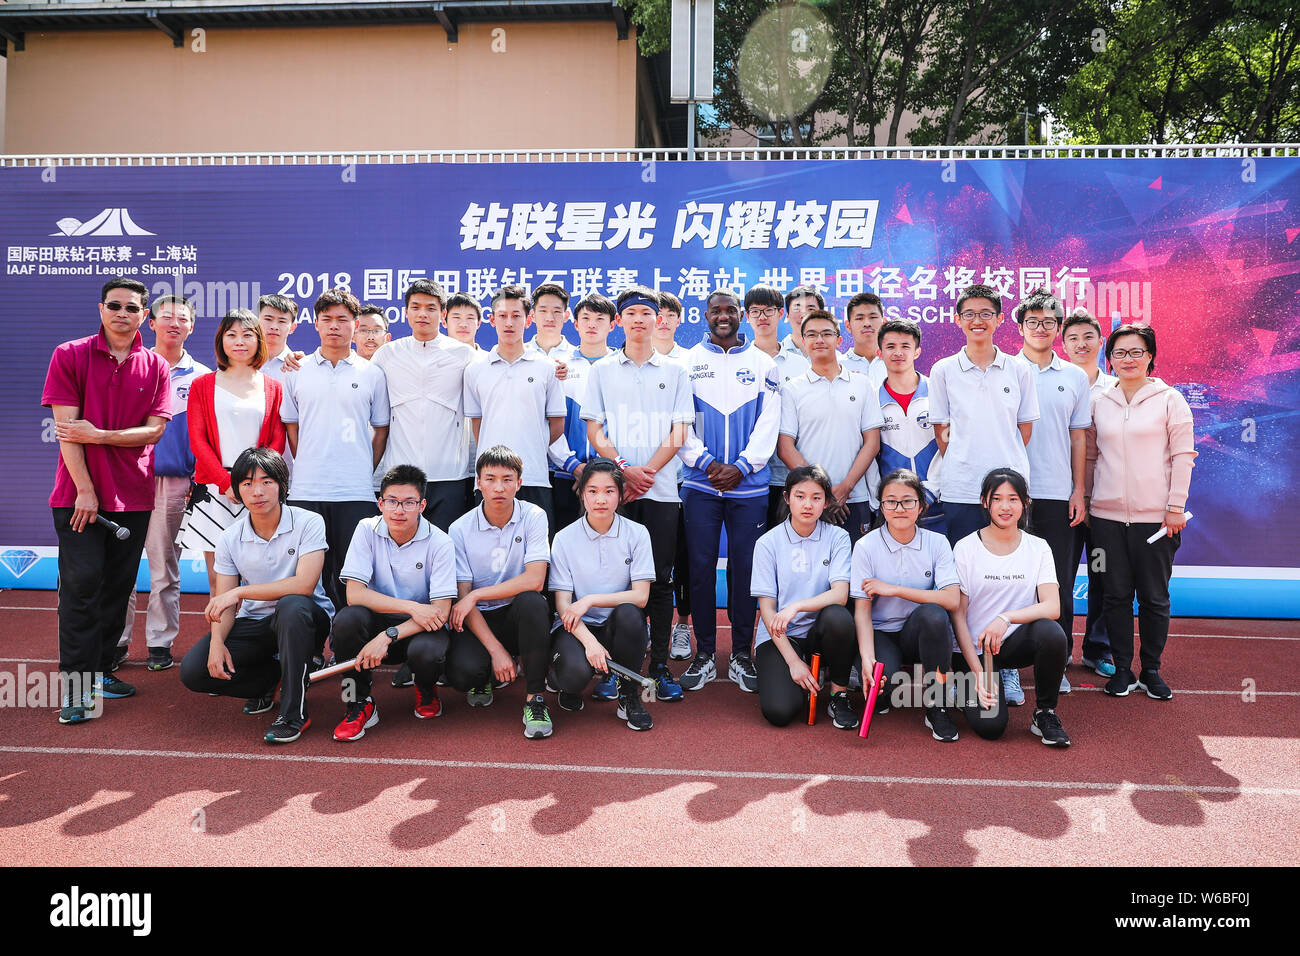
725, 154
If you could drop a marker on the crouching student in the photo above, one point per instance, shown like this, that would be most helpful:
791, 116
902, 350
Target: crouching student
801, 579
268, 565
601, 569
906, 584
400, 575
500, 613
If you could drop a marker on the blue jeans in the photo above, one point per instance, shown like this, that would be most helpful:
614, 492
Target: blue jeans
745, 520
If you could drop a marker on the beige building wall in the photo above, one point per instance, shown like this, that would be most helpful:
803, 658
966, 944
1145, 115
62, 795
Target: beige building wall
555, 85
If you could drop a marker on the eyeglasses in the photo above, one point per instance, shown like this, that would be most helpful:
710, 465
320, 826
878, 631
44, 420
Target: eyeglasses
1047, 325
817, 336
119, 306
971, 316
370, 332
770, 313
407, 505
1122, 354
895, 504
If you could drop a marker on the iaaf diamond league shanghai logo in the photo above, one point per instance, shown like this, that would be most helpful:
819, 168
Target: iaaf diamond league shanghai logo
18, 561
110, 222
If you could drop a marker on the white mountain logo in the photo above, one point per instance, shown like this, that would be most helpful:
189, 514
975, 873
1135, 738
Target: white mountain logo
110, 222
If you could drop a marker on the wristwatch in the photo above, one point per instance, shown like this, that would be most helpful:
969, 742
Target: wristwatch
392, 633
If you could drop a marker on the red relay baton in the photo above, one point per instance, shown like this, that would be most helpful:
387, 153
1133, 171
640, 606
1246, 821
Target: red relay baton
877, 678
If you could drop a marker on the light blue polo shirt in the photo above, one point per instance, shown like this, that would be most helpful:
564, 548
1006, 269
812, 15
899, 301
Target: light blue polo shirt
873, 368
790, 568
242, 551
639, 405
924, 563
790, 364
826, 418
514, 401
583, 561
487, 555
423, 569
984, 409
1064, 403
334, 407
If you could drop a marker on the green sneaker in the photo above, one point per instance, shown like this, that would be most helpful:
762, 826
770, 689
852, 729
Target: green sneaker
480, 696
537, 720
77, 708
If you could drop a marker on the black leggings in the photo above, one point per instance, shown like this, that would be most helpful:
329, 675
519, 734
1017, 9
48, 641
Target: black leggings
355, 627
833, 636
1040, 644
924, 638
522, 627
623, 635
682, 570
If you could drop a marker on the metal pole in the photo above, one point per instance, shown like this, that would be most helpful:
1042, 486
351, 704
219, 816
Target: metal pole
690, 104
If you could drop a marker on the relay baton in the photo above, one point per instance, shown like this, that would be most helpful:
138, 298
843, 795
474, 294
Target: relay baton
877, 678
812, 696
332, 671
646, 682
1187, 516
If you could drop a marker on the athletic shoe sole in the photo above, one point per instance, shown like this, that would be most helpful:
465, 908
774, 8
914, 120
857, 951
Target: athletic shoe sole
1143, 687
1128, 690
935, 735
854, 726
479, 701
1033, 729
680, 695
162, 667
734, 675
270, 702
289, 740
537, 736
1100, 668
424, 716
374, 719
685, 656
622, 715
108, 696
700, 686
81, 719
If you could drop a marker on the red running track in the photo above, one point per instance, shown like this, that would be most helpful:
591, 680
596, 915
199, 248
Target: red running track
170, 777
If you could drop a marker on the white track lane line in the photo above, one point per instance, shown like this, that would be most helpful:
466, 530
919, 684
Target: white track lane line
661, 771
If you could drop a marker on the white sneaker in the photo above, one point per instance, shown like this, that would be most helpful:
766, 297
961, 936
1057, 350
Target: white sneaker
681, 645
1065, 685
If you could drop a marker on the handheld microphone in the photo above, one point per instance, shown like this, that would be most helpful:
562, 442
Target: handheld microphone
118, 531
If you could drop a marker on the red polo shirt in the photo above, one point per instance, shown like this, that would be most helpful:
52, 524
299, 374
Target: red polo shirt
111, 396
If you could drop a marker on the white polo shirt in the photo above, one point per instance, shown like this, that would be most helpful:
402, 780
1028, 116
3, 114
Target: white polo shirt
791, 568
514, 401
873, 368
1064, 403
583, 561
996, 584
983, 408
679, 354
241, 551
423, 569
639, 405
426, 387
924, 563
790, 364
487, 555
1103, 382
334, 407
826, 419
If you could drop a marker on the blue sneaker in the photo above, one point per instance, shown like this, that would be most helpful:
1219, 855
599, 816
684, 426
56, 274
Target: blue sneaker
606, 688
1011, 688
666, 686
1102, 667
110, 688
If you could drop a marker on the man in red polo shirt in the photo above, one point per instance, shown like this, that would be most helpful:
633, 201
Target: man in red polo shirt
111, 399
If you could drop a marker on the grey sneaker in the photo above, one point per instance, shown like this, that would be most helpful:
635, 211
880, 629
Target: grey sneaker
1015, 697
681, 646
479, 696
742, 673
699, 672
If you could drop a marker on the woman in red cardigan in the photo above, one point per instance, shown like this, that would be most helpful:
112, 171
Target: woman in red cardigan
233, 408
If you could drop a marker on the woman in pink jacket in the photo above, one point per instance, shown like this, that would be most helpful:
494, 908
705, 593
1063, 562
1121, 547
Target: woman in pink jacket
1140, 449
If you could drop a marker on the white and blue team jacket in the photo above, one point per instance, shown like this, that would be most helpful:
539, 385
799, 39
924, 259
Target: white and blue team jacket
907, 440
572, 448
737, 416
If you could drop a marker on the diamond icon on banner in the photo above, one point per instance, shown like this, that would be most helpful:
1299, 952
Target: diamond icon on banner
18, 561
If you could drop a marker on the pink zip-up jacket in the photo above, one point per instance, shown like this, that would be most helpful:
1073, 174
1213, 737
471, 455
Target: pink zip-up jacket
1140, 453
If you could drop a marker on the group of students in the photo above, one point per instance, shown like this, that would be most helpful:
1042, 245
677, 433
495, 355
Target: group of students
547, 507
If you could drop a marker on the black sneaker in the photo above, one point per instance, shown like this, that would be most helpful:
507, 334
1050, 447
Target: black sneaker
1121, 684
742, 673
285, 730
110, 688
940, 723
1048, 726
841, 711
259, 705
160, 658
119, 657
1156, 688
403, 677
570, 701
631, 709
699, 672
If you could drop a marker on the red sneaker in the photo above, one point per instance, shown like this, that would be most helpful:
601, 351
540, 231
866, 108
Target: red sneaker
359, 718
426, 707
